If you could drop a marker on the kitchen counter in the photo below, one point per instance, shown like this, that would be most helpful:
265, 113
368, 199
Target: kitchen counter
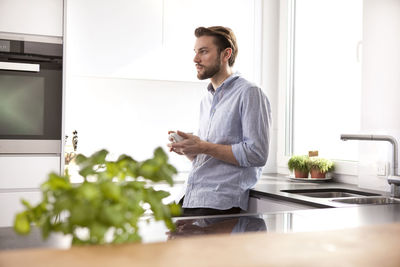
350, 235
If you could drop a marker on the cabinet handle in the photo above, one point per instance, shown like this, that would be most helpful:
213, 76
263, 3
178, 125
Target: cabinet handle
19, 66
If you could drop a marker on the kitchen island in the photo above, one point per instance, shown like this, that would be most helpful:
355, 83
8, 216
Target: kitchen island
363, 235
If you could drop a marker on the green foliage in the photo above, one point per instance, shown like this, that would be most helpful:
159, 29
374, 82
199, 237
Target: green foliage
299, 163
323, 165
112, 198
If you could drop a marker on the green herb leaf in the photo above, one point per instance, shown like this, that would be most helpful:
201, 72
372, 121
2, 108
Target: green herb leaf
112, 214
21, 224
111, 190
82, 214
88, 192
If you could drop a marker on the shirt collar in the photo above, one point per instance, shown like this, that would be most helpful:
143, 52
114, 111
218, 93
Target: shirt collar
225, 83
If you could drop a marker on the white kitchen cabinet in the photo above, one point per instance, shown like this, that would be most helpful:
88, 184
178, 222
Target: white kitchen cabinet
151, 39
107, 38
10, 204
19, 171
21, 177
39, 17
267, 204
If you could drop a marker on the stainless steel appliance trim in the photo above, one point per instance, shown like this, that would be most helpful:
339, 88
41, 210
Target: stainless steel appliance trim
30, 146
19, 66
31, 37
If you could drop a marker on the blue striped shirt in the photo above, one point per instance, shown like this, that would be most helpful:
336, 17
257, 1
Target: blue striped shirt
237, 113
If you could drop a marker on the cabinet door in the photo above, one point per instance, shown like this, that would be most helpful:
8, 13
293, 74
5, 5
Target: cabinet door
39, 17
10, 204
109, 38
18, 172
262, 205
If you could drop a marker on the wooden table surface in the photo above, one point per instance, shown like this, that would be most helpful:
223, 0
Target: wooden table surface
377, 245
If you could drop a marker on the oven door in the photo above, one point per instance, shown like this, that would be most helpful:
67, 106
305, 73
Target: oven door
30, 107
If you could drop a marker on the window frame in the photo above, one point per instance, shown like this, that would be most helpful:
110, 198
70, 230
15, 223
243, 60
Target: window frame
345, 170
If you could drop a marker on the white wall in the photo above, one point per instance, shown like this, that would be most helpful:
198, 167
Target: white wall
127, 115
380, 87
283, 83
270, 72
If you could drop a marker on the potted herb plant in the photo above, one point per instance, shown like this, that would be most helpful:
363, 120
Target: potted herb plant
319, 167
107, 206
299, 164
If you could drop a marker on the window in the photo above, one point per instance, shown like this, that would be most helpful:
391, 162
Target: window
326, 75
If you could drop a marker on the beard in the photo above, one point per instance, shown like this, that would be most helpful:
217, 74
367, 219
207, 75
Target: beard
210, 71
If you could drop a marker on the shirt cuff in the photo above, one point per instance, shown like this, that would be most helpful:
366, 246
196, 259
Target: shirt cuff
240, 155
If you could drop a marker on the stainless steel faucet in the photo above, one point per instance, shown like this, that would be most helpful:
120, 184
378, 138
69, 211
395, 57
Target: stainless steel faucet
394, 178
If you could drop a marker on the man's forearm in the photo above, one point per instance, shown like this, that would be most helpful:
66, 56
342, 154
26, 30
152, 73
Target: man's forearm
218, 151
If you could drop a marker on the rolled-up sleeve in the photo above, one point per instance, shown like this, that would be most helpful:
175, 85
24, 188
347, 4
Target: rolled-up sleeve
255, 114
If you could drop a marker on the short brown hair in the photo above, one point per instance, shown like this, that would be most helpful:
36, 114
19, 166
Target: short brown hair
224, 38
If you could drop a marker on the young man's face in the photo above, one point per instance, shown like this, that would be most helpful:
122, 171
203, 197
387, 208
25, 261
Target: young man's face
207, 58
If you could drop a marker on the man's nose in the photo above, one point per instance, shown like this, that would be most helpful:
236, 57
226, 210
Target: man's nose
196, 58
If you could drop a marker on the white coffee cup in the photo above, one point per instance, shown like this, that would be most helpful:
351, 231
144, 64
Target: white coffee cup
174, 137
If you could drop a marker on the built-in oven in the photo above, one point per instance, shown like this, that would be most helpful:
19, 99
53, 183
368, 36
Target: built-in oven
30, 97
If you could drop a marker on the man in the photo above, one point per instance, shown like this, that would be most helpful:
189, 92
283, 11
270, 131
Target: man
233, 141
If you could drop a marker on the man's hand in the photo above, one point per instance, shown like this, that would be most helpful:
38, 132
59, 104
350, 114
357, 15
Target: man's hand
192, 145
176, 147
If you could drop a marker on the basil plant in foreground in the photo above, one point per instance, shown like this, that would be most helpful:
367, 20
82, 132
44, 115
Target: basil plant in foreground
109, 203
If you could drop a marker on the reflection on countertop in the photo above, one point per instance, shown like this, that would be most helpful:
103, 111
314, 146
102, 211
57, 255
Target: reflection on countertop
225, 225
151, 231
10, 240
279, 222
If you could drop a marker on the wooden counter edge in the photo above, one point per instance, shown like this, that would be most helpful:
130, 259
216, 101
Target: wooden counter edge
363, 246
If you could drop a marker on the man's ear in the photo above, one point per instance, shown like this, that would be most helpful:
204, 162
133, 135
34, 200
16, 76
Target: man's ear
227, 54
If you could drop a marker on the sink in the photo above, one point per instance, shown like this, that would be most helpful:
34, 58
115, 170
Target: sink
369, 200
329, 192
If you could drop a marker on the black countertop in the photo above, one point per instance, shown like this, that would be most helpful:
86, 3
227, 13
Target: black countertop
275, 185
347, 216
279, 222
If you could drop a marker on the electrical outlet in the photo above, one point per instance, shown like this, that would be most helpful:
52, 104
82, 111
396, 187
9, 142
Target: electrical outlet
381, 168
